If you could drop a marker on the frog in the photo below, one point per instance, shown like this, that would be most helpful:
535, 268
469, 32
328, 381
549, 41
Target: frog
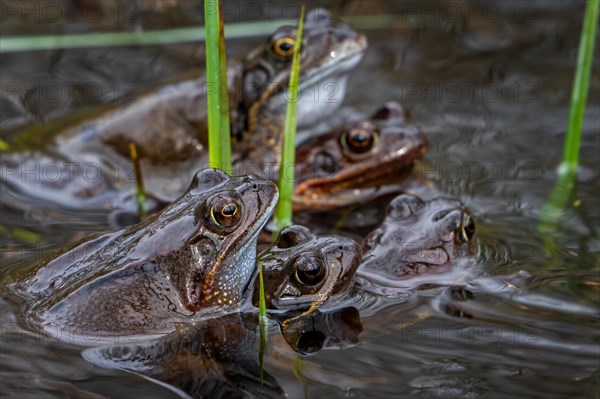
302, 271
193, 258
416, 241
359, 162
169, 125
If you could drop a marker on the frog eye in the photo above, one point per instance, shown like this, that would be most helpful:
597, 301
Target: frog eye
467, 230
359, 140
283, 48
310, 271
225, 212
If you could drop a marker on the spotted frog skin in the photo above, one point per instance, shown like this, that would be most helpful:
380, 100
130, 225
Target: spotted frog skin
349, 165
302, 270
195, 256
416, 238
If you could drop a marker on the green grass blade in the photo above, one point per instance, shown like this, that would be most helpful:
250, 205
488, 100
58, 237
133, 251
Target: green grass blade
139, 181
116, 39
580, 87
225, 132
283, 212
183, 35
213, 86
262, 321
565, 185
4, 146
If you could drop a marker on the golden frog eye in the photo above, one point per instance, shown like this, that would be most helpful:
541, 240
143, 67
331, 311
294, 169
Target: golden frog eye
310, 271
359, 140
467, 230
225, 213
283, 48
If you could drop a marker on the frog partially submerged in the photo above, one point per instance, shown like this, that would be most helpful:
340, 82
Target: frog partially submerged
350, 165
195, 256
169, 126
417, 240
302, 270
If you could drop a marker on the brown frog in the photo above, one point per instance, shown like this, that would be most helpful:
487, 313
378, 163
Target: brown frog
416, 240
350, 165
169, 125
194, 257
302, 270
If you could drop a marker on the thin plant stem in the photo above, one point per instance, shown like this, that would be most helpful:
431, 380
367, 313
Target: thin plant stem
283, 212
564, 188
139, 181
213, 86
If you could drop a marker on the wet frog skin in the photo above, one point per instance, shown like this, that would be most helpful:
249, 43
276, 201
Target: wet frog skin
302, 270
349, 165
416, 238
196, 255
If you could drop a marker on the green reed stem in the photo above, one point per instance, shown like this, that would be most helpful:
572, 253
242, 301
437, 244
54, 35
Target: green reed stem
116, 39
283, 212
139, 181
580, 87
4, 146
262, 321
180, 35
565, 184
225, 132
213, 84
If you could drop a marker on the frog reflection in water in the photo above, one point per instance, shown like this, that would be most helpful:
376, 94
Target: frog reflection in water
302, 270
218, 358
168, 126
417, 239
351, 164
196, 255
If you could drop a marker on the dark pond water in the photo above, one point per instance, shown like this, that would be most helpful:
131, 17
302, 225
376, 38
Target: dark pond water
491, 90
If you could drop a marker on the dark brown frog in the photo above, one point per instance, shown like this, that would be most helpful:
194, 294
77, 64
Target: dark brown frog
194, 257
303, 271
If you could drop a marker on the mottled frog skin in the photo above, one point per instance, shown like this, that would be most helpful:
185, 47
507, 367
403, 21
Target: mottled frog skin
417, 238
349, 165
302, 270
196, 255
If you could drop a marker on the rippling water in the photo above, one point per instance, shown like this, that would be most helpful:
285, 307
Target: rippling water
491, 92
